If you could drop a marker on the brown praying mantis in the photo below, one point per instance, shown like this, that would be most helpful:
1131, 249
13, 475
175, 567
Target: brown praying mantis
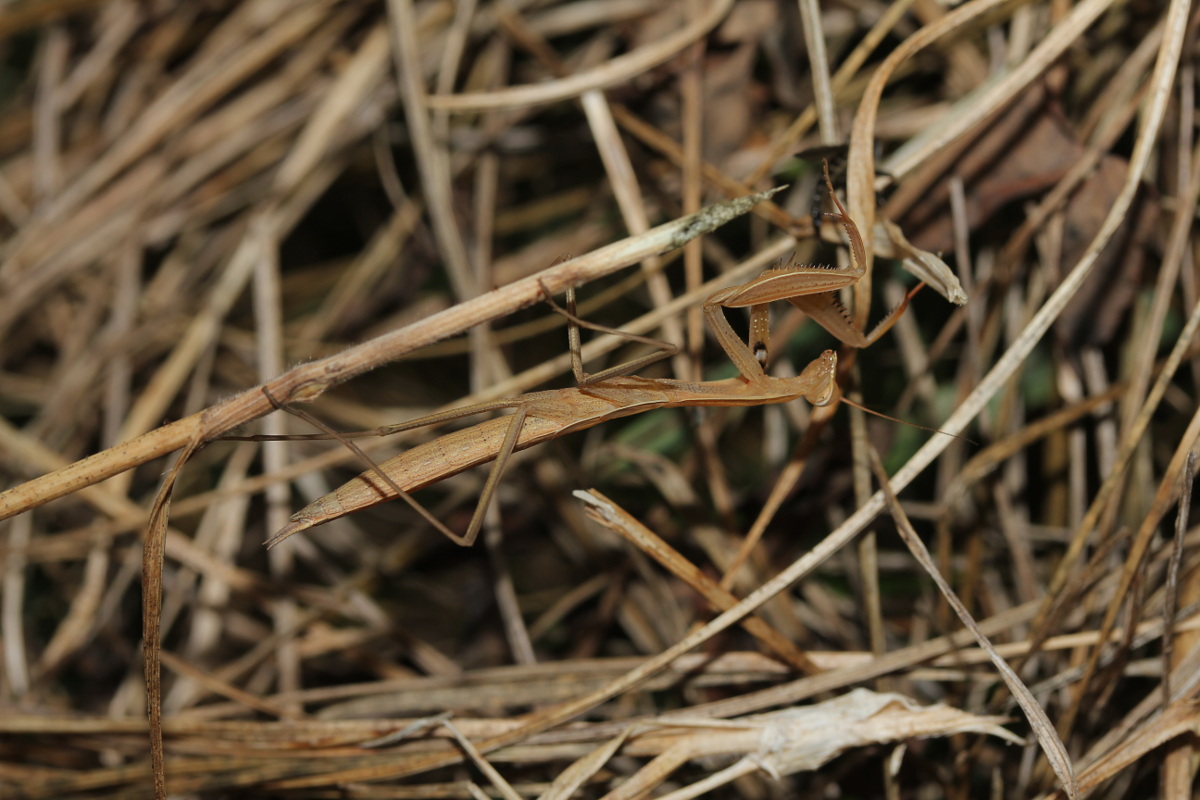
612, 394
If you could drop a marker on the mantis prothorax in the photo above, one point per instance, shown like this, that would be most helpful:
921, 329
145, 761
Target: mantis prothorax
611, 394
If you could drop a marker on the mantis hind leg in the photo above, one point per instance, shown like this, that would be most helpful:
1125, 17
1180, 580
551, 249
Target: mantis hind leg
511, 436
376, 470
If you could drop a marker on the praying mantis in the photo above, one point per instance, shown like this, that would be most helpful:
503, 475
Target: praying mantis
611, 394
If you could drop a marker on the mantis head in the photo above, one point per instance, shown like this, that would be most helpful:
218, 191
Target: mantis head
820, 380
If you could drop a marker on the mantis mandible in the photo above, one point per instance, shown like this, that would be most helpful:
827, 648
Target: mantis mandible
541, 416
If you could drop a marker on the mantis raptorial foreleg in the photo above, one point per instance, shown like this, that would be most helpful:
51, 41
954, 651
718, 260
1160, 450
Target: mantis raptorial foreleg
812, 289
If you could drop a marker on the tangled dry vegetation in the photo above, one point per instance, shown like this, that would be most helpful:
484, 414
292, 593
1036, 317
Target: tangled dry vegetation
356, 204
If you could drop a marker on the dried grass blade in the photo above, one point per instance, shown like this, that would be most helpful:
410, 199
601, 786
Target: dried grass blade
860, 177
976, 109
1052, 746
805, 738
1108, 489
1138, 548
612, 516
1179, 719
1171, 590
614, 71
152, 585
433, 162
848, 69
573, 777
814, 41
1014, 357
502, 786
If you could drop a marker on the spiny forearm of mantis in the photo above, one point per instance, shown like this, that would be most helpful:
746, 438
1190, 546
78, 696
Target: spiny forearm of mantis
813, 289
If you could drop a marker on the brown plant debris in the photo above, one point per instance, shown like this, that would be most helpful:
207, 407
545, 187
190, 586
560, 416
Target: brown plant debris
210, 211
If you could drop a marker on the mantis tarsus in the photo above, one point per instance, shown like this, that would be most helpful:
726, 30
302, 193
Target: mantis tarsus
611, 394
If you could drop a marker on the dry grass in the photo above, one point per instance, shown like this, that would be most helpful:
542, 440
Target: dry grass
317, 197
